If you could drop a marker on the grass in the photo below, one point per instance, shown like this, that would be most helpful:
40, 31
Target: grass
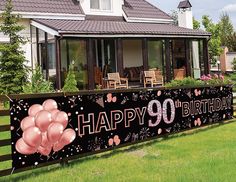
208, 155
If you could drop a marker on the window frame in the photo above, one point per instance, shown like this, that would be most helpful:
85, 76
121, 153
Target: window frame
100, 9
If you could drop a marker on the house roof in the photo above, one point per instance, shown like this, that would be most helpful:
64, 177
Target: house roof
45, 6
185, 4
118, 28
143, 9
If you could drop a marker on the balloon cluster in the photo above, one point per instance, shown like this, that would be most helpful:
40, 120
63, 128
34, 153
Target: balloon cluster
44, 130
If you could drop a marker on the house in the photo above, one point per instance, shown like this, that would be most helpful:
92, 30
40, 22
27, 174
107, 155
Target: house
225, 62
100, 36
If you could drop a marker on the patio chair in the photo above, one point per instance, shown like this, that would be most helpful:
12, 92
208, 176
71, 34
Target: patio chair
115, 81
153, 78
179, 74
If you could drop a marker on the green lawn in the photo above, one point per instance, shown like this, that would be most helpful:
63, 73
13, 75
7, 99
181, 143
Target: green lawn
208, 155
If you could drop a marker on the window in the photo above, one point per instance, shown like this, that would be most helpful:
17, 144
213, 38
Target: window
100, 4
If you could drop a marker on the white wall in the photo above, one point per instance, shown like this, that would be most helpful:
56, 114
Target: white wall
26, 34
185, 19
116, 9
132, 53
229, 60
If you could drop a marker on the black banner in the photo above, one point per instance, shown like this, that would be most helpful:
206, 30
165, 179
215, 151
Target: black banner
50, 129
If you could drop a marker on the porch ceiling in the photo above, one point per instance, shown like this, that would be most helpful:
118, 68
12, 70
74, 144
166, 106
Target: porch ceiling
103, 28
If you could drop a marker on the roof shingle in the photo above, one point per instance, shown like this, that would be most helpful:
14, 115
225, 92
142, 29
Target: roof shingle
143, 9
94, 27
45, 6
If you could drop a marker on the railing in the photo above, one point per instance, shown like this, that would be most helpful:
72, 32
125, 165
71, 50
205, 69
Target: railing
5, 141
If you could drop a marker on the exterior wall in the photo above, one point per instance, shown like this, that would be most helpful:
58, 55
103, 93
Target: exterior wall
185, 19
116, 9
26, 34
132, 53
230, 57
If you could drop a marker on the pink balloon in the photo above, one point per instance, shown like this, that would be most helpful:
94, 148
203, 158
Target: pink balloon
54, 132
110, 142
32, 136
58, 146
27, 122
34, 109
43, 119
50, 104
45, 150
67, 137
54, 113
23, 148
45, 142
62, 118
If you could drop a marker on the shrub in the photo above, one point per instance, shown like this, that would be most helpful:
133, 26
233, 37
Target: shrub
70, 82
188, 81
37, 83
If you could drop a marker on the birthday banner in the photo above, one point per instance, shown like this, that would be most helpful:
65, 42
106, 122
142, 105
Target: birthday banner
47, 129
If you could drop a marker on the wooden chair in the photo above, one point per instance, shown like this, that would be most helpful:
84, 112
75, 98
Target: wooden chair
179, 74
115, 81
153, 78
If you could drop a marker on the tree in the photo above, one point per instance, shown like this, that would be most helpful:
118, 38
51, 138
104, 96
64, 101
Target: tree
13, 72
232, 42
174, 16
37, 83
196, 24
70, 82
215, 41
226, 29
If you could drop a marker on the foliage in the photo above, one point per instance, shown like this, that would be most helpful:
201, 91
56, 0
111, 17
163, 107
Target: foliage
188, 81
13, 70
215, 41
234, 64
204, 80
231, 39
174, 16
226, 30
70, 82
37, 83
196, 24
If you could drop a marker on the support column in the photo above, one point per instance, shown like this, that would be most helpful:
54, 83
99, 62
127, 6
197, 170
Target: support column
168, 61
120, 61
145, 53
206, 57
37, 46
90, 66
46, 56
187, 57
58, 62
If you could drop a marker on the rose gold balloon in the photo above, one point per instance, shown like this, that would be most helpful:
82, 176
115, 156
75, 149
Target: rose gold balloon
27, 122
32, 136
110, 142
62, 118
23, 148
67, 137
54, 113
50, 104
58, 146
54, 132
34, 109
43, 119
114, 99
45, 150
45, 142
117, 142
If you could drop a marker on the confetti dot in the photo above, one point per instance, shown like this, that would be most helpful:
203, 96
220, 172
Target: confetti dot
12, 143
82, 108
69, 114
19, 158
15, 118
67, 155
23, 163
36, 163
12, 127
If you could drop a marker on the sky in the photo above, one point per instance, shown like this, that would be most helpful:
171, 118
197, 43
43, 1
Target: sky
213, 8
